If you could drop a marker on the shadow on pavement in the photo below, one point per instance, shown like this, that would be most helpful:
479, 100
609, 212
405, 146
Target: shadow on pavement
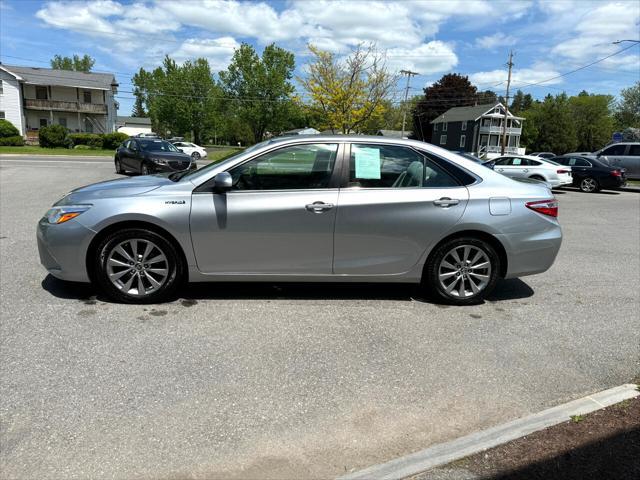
505, 290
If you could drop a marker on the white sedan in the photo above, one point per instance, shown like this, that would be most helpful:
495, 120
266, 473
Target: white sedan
535, 168
192, 149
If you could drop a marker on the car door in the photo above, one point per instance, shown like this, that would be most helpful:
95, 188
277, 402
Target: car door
580, 168
615, 154
396, 204
278, 218
631, 161
505, 166
127, 154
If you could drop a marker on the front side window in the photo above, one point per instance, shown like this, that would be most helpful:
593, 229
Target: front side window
634, 150
298, 167
504, 161
615, 150
392, 166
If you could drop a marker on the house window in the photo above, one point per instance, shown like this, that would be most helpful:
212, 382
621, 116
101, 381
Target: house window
86, 95
435, 127
444, 127
443, 139
1, 87
42, 93
44, 122
88, 126
464, 125
1, 115
463, 140
62, 121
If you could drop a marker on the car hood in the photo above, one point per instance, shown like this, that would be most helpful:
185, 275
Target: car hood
121, 187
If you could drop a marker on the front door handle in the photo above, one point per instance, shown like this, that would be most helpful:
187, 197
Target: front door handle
501, 169
318, 207
446, 202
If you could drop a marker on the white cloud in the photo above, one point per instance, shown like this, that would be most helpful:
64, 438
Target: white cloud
519, 77
490, 42
426, 59
217, 51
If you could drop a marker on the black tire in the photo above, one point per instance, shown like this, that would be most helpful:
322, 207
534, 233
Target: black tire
119, 169
144, 170
589, 185
195, 156
431, 282
173, 264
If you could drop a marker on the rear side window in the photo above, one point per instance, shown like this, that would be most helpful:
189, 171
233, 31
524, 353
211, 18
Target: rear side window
634, 150
532, 163
393, 166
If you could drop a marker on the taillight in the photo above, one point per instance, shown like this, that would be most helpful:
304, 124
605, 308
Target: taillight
546, 207
616, 173
563, 171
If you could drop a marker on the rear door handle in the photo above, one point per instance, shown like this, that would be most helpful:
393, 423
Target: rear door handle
318, 207
525, 170
446, 202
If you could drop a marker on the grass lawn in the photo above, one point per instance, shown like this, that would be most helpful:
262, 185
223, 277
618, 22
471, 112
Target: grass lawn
635, 183
216, 155
34, 150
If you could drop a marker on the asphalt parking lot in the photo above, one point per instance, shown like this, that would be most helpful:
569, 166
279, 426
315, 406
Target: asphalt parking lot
277, 381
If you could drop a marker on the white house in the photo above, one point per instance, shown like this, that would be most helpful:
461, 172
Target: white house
133, 125
33, 97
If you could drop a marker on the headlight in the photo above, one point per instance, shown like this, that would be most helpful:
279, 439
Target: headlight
64, 214
158, 161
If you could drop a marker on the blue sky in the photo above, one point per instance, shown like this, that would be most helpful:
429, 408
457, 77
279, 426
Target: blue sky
432, 37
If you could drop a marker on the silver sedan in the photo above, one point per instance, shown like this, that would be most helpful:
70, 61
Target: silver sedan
317, 208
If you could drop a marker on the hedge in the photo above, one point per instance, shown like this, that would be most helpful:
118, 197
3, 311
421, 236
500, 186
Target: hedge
92, 140
53, 136
13, 141
7, 129
113, 140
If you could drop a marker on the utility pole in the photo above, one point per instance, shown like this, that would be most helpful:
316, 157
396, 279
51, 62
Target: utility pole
506, 107
409, 74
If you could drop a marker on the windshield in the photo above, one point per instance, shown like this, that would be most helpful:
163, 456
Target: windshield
157, 146
186, 174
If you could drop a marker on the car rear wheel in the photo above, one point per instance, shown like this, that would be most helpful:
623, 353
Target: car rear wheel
589, 185
462, 271
195, 156
138, 266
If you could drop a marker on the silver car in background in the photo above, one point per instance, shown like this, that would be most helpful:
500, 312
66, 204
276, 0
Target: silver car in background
318, 208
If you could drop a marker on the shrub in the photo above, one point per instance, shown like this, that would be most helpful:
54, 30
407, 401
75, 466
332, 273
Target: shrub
113, 140
82, 147
7, 129
93, 140
14, 141
53, 136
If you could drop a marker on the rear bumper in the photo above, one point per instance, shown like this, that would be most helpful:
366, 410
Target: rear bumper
63, 249
531, 252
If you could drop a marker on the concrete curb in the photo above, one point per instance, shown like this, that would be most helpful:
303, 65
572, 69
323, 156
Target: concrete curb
444, 453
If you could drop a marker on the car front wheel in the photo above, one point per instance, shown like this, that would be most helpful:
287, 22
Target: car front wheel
462, 271
138, 266
195, 156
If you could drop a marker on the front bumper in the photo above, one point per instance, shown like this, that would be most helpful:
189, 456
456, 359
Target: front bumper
63, 249
164, 168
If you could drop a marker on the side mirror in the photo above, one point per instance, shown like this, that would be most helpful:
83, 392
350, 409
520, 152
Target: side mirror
222, 182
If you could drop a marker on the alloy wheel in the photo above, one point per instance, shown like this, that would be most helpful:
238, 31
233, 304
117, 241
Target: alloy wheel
137, 267
195, 155
464, 271
588, 185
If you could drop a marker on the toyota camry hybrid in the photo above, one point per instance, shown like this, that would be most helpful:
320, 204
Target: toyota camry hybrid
313, 209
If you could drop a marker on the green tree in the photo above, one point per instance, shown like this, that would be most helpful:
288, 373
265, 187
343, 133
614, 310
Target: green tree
259, 89
594, 123
348, 94
452, 90
628, 108
550, 126
521, 102
77, 63
180, 99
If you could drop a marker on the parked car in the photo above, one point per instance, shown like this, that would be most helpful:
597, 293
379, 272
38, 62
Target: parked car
535, 168
469, 156
328, 209
192, 149
623, 155
591, 174
149, 155
542, 154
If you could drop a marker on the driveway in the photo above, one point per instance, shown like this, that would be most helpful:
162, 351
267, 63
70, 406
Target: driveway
276, 381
